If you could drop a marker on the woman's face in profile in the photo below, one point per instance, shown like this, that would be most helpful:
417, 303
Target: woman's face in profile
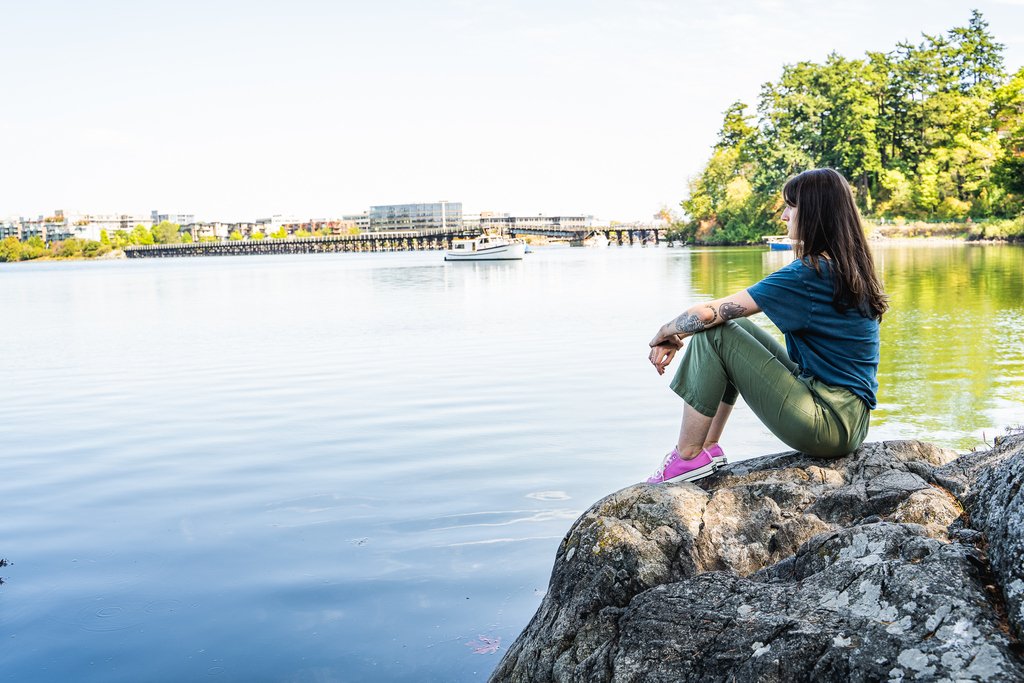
789, 218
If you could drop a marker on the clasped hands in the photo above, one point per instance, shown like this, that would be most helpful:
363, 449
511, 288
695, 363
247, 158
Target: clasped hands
664, 347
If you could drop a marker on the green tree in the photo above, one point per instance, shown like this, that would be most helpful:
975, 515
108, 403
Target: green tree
235, 235
186, 238
279, 234
823, 115
10, 249
928, 130
140, 235
1008, 103
166, 232
70, 248
104, 238
257, 235
303, 233
978, 58
33, 248
736, 130
92, 248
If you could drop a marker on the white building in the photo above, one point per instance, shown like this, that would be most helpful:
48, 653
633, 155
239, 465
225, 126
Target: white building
90, 226
539, 222
181, 219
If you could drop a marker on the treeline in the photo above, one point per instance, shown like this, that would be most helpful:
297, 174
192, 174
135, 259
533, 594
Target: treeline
933, 131
13, 249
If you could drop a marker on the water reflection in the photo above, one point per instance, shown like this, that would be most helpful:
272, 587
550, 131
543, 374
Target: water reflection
951, 349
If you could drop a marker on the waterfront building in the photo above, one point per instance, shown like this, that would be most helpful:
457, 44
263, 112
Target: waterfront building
10, 227
540, 222
441, 214
52, 228
207, 229
485, 220
245, 228
275, 222
90, 226
31, 227
181, 219
360, 221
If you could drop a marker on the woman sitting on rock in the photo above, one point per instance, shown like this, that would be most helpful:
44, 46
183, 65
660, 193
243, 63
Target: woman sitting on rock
817, 393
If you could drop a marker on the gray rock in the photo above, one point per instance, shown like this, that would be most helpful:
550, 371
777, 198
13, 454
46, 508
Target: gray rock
995, 506
788, 567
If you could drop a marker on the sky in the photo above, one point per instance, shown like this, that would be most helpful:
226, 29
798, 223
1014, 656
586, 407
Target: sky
234, 110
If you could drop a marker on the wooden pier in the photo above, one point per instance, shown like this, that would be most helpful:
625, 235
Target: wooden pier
617, 235
408, 240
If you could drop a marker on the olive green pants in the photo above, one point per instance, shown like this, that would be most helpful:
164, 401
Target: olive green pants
739, 358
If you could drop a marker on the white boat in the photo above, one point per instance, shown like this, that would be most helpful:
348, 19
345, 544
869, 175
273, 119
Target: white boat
486, 248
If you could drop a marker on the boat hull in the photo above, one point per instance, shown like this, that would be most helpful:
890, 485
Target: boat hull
779, 243
504, 252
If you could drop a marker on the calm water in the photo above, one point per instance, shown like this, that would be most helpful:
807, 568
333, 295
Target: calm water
351, 467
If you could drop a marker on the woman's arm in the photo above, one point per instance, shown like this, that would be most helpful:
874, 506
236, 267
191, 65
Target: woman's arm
696, 319
706, 315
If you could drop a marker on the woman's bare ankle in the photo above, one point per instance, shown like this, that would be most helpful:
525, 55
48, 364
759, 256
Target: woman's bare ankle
688, 452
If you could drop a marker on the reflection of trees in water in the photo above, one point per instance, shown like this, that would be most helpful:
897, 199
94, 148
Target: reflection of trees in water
720, 272
952, 343
946, 359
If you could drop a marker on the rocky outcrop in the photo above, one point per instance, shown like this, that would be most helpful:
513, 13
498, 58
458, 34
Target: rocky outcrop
899, 562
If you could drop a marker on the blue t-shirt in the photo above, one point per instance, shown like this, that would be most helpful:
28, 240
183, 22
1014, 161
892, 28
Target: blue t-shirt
839, 349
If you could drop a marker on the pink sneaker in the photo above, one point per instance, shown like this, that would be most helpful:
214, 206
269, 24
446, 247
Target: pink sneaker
676, 469
717, 454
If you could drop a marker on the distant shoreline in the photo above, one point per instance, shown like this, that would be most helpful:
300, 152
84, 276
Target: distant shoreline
888, 235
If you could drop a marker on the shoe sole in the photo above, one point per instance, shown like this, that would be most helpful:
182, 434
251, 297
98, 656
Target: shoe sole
694, 475
720, 460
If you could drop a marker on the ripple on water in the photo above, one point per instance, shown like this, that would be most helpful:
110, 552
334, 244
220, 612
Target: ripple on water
99, 615
549, 495
496, 518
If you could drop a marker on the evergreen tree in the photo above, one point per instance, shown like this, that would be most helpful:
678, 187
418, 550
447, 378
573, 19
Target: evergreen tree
928, 130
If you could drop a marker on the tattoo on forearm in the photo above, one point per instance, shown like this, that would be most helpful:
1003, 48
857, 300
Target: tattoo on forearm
689, 323
730, 310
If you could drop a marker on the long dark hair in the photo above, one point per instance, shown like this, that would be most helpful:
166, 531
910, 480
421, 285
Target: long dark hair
828, 226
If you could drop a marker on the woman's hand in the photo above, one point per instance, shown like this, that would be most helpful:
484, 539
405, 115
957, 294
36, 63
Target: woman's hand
667, 336
664, 351
661, 355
